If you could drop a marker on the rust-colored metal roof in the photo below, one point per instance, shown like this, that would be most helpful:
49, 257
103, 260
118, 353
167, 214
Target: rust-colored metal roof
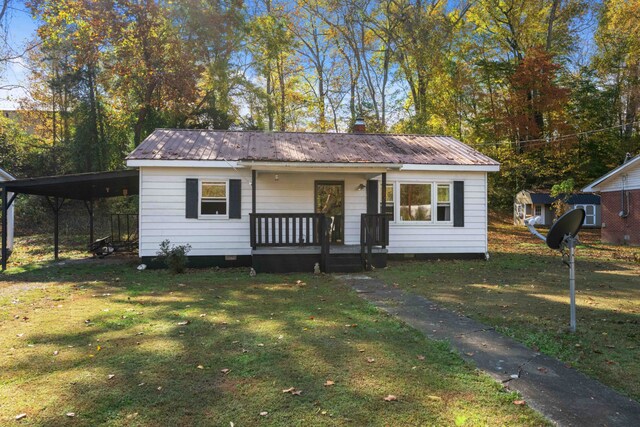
183, 144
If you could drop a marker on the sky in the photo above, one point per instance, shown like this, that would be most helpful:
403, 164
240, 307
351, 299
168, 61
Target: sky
21, 30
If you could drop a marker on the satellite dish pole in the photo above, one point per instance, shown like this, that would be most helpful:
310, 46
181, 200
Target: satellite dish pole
564, 235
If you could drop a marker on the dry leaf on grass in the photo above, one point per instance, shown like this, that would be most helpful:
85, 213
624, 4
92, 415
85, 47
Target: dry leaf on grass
225, 371
111, 376
71, 414
294, 391
421, 357
370, 360
21, 416
328, 383
434, 398
184, 323
264, 413
519, 402
200, 367
390, 398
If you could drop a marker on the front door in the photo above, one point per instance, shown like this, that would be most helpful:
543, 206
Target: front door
329, 200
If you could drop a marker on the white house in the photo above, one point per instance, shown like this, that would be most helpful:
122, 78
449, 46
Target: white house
284, 201
620, 200
4, 176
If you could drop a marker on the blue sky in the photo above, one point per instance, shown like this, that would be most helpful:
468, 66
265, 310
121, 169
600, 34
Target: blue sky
21, 30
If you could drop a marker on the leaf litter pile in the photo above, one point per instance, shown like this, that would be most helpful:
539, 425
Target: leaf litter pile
110, 344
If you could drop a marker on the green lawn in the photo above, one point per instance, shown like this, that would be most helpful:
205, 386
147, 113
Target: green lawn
116, 346
523, 291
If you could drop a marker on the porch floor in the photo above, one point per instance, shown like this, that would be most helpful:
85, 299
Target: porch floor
334, 250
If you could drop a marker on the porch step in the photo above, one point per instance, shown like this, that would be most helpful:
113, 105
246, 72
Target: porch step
344, 263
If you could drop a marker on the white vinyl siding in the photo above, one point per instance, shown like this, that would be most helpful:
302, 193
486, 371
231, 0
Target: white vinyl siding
615, 182
432, 238
163, 198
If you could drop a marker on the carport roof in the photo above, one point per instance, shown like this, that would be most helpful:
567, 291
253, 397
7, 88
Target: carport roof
82, 186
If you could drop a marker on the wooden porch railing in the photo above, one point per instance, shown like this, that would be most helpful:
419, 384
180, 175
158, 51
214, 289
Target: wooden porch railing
374, 231
286, 229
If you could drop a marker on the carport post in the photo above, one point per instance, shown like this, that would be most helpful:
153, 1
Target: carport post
5, 225
89, 205
55, 229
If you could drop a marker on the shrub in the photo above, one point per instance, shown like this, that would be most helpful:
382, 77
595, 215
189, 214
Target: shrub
174, 257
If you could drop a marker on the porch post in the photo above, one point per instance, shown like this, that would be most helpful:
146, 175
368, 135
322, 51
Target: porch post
385, 220
384, 193
252, 217
5, 224
253, 191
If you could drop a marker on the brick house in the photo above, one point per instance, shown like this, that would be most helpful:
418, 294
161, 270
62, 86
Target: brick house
620, 203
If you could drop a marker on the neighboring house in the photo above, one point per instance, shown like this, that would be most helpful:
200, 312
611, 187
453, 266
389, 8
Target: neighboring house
528, 204
283, 201
4, 176
620, 194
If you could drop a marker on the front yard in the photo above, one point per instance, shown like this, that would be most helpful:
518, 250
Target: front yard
523, 291
105, 343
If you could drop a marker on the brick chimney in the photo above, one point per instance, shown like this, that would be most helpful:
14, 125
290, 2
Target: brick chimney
359, 126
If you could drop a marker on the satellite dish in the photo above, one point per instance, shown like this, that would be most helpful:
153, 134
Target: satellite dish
567, 225
562, 236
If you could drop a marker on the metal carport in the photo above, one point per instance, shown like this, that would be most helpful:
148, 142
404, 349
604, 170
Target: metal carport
84, 186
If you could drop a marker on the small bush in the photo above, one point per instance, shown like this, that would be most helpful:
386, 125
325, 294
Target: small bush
174, 257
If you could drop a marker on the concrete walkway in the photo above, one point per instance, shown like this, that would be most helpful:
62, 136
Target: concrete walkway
562, 394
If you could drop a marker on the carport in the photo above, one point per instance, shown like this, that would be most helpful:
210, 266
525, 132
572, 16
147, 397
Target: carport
87, 187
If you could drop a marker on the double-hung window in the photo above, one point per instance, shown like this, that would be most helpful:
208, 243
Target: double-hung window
390, 203
213, 198
423, 202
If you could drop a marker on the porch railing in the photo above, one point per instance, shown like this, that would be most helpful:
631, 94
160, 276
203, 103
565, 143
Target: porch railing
286, 229
374, 231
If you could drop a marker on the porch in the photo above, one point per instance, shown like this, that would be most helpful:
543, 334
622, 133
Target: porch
345, 232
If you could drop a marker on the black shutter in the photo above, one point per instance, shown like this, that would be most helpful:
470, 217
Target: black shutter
458, 203
235, 208
192, 198
372, 196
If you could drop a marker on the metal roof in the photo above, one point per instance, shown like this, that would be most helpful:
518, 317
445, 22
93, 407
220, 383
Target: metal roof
182, 144
82, 186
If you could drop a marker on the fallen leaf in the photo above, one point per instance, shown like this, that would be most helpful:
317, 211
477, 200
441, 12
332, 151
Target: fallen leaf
260, 345
225, 371
111, 376
469, 354
421, 357
184, 323
200, 367
390, 398
328, 383
434, 398
159, 388
519, 402
370, 360
71, 414
55, 353
264, 413
542, 369
288, 390
361, 350
296, 392
21, 416
203, 315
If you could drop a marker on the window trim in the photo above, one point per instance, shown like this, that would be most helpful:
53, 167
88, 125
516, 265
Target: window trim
434, 197
594, 215
202, 181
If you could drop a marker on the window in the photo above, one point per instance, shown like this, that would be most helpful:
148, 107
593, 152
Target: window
537, 210
213, 198
444, 203
390, 208
590, 214
415, 202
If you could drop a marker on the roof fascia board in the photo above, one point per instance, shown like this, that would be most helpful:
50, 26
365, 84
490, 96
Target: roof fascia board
453, 168
361, 167
592, 188
183, 163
